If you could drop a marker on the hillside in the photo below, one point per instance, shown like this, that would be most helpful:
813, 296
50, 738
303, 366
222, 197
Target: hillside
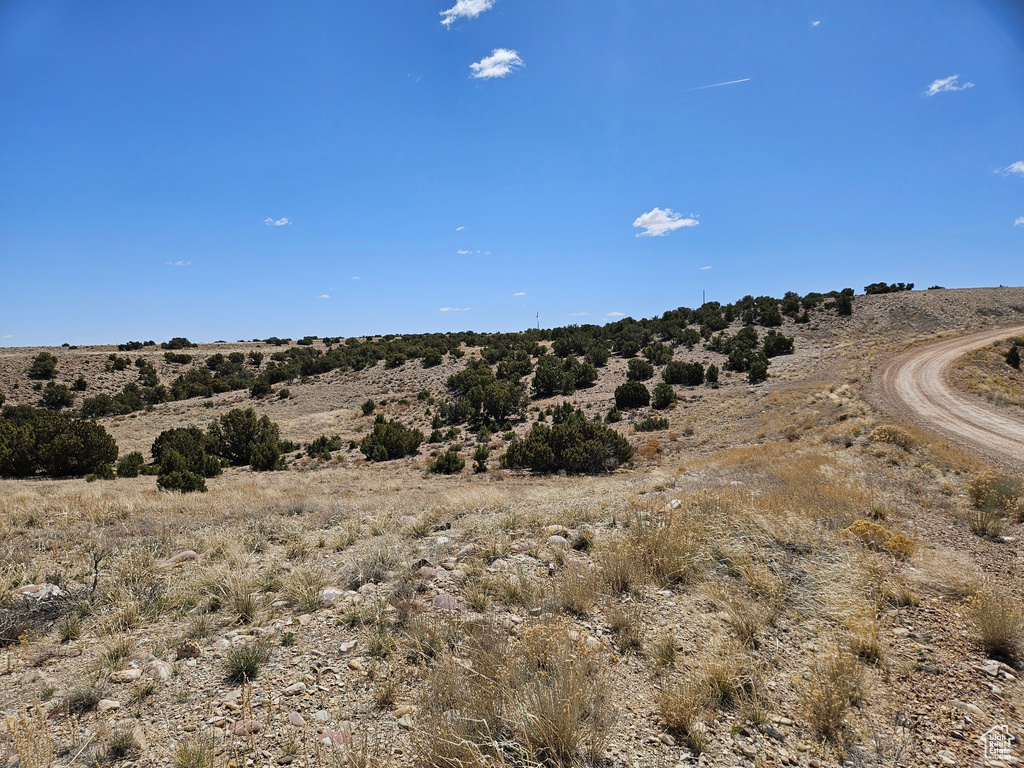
781, 575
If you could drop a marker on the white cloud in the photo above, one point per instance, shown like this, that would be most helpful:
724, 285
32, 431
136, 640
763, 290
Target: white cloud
462, 252
323, 296
501, 62
703, 268
179, 263
1019, 221
1017, 168
577, 314
616, 314
658, 222
271, 222
945, 84
815, 23
7, 336
356, 277
519, 293
459, 229
455, 309
465, 9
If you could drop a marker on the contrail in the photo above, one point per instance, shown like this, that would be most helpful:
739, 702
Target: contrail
715, 85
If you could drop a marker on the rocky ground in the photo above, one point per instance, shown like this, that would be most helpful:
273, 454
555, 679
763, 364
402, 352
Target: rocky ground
785, 577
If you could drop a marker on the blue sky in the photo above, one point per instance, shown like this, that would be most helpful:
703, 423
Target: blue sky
151, 153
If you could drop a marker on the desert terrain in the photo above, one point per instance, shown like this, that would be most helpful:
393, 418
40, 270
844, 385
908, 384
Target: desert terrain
812, 570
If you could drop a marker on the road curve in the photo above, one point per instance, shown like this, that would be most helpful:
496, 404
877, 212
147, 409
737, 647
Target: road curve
916, 385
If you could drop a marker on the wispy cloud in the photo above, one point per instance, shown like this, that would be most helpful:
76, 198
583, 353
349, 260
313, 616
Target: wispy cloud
323, 296
459, 229
271, 222
7, 336
1014, 169
946, 84
519, 293
179, 263
1019, 221
661, 221
462, 252
718, 85
703, 268
501, 62
356, 277
815, 23
455, 309
616, 314
577, 314
465, 9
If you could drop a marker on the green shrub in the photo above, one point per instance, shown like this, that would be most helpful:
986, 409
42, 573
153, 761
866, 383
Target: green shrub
711, 375
632, 394
613, 415
321, 447
130, 465
192, 447
80, 384
664, 396
57, 396
684, 373
34, 440
178, 342
1013, 357
639, 370
597, 356
178, 358
552, 378
175, 476
651, 424
776, 344
236, 434
260, 388
390, 440
431, 357
480, 456
658, 353
758, 371
266, 456
368, 407
573, 444
44, 366
284, 394
447, 463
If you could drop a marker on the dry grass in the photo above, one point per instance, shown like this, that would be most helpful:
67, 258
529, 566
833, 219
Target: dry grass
999, 620
836, 683
29, 735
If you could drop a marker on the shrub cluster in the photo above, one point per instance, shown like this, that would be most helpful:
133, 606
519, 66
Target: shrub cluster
57, 396
556, 376
1013, 357
178, 342
390, 439
684, 373
572, 444
886, 288
663, 396
479, 397
448, 463
34, 440
240, 437
44, 366
321, 447
651, 424
632, 394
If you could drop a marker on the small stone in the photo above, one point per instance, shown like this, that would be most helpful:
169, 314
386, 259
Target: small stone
667, 739
295, 689
428, 572
322, 715
245, 728
329, 594
441, 541
295, 719
348, 645
405, 721
446, 603
161, 670
304, 619
946, 757
336, 738
186, 555
221, 644
558, 542
404, 710
108, 705
125, 676
189, 649
286, 759
356, 665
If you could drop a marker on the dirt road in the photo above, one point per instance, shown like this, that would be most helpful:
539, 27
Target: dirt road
916, 385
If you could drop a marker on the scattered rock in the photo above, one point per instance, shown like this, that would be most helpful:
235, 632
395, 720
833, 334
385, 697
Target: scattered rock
336, 738
108, 705
186, 555
125, 676
405, 721
161, 670
295, 689
295, 719
245, 728
329, 594
447, 603
558, 542
348, 645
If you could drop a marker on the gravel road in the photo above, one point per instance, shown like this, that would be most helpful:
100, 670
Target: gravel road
916, 386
